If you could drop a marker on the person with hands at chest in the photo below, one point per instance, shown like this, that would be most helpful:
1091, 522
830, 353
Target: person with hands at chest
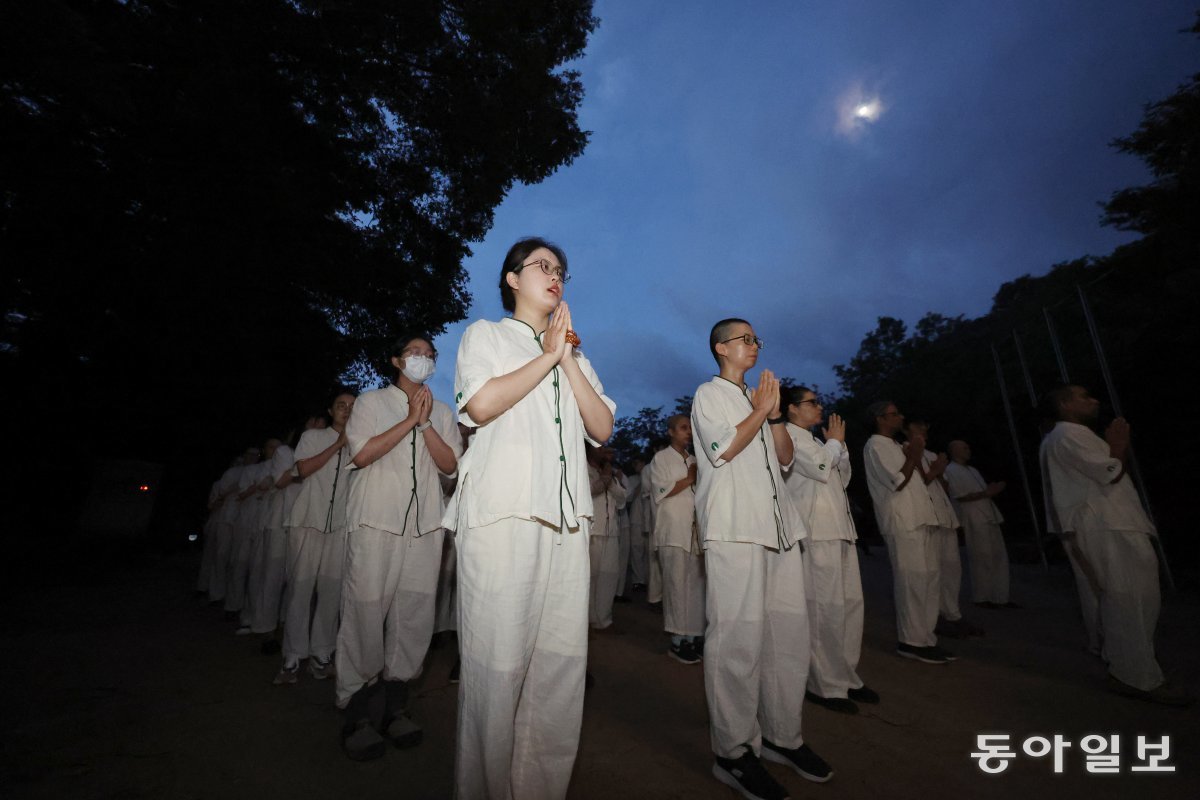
672, 484
608, 495
521, 512
401, 442
817, 484
986, 554
756, 648
316, 546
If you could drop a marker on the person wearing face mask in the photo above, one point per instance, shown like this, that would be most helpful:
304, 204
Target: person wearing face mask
400, 441
522, 512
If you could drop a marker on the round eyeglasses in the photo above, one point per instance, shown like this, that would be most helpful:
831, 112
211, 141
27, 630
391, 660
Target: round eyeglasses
748, 339
548, 269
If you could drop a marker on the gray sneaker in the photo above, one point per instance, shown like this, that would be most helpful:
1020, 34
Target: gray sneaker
287, 675
320, 670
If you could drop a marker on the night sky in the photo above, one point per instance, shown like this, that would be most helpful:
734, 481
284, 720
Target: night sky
813, 166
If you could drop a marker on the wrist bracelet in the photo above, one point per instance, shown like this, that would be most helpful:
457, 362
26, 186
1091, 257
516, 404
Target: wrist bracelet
424, 426
777, 421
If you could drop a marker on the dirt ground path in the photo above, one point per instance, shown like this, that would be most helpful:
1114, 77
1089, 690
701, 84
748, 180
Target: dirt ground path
125, 686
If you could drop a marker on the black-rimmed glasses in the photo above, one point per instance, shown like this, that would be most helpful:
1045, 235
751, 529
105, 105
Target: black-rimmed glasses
748, 339
548, 269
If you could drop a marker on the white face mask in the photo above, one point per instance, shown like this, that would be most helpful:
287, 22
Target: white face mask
418, 369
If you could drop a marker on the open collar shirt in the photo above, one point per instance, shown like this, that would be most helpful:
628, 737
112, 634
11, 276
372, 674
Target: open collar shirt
1077, 471
321, 503
676, 514
963, 480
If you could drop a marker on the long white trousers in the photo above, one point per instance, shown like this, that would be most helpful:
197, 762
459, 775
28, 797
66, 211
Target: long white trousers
244, 541
447, 591
389, 596
916, 584
654, 585
835, 614
950, 570
219, 578
1126, 569
603, 552
1087, 586
315, 562
756, 650
638, 543
523, 620
683, 591
622, 554
987, 559
267, 581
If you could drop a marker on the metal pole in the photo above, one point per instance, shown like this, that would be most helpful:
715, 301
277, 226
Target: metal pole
1025, 369
1058, 353
1012, 428
1135, 472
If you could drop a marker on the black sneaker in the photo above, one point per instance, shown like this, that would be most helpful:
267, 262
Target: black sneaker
746, 775
863, 695
841, 705
939, 652
802, 759
928, 655
361, 742
684, 653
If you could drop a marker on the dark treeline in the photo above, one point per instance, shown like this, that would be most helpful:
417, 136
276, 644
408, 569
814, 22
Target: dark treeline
209, 208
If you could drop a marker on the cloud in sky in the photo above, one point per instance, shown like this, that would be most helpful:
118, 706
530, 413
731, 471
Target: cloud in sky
717, 181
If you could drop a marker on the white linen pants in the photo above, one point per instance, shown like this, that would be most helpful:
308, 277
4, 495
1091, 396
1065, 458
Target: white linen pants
683, 591
638, 544
622, 552
447, 591
219, 579
522, 633
244, 540
950, 569
835, 614
389, 597
267, 580
916, 583
756, 649
1125, 567
603, 553
315, 563
987, 560
1086, 585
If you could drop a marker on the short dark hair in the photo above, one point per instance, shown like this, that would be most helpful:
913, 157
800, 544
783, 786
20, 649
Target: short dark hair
719, 332
675, 419
516, 257
338, 392
398, 346
1052, 401
792, 395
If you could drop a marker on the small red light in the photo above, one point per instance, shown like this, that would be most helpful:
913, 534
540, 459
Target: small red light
143, 488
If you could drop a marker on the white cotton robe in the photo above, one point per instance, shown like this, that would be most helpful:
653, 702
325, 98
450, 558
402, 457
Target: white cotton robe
946, 540
1112, 536
316, 550
678, 544
521, 513
907, 521
227, 511
756, 651
987, 557
394, 548
817, 484
268, 603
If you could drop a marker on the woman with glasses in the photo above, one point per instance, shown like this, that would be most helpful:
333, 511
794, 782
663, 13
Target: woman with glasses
817, 485
521, 512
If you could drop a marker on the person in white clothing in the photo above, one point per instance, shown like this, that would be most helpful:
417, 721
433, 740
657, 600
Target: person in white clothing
908, 522
227, 512
817, 484
672, 487
986, 555
757, 636
608, 495
945, 537
521, 514
281, 495
316, 549
208, 555
402, 442
639, 522
654, 566
244, 539
1091, 497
